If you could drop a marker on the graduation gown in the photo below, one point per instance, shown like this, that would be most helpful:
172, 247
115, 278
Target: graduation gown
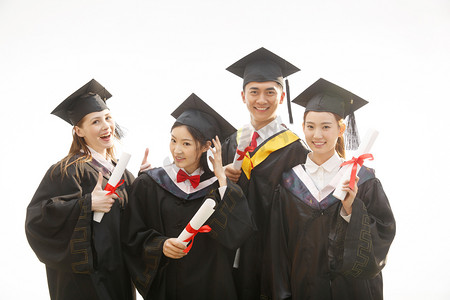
159, 210
83, 258
275, 155
315, 254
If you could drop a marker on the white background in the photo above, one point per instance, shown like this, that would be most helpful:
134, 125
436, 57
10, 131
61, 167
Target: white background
151, 55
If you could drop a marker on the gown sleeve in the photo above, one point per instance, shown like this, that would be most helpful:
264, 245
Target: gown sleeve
361, 246
58, 222
141, 237
232, 222
276, 272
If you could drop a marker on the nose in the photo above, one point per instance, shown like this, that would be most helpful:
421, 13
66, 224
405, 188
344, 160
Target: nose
177, 149
317, 133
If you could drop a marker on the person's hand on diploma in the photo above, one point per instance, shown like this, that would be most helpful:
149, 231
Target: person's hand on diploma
232, 173
101, 202
351, 194
172, 248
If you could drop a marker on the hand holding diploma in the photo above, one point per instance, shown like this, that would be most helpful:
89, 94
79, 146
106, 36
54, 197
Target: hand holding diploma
195, 225
114, 182
352, 166
243, 146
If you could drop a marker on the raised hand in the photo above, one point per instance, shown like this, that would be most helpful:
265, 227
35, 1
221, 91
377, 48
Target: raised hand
216, 161
145, 165
172, 248
101, 202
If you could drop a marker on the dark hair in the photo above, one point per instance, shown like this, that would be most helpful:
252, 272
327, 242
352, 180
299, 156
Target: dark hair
340, 144
201, 141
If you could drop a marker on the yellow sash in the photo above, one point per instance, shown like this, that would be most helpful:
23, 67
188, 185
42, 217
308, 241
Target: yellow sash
277, 142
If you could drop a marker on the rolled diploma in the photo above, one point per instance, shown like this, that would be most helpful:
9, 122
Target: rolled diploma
197, 221
115, 178
244, 141
364, 148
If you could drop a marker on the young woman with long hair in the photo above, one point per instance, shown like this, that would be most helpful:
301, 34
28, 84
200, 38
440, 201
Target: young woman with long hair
83, 258
163, 201
318, 246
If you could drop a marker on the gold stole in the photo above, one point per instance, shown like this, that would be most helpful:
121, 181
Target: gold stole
277, 142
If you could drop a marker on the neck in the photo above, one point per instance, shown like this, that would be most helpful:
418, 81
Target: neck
102, 152
260, 124
319, 159
191, 170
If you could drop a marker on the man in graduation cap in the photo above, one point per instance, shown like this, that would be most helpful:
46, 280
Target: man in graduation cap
275, 150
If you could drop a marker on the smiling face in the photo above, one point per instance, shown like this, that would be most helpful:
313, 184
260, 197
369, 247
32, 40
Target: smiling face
97, 129
262, 100
321, 131
186, 151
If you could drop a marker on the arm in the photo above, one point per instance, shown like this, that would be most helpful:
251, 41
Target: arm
58, 221
369, 234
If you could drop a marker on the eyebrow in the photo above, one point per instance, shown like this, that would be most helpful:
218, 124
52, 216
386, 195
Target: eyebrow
310, 122
182, 139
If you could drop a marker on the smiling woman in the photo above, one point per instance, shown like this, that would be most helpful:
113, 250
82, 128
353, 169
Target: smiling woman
83, 258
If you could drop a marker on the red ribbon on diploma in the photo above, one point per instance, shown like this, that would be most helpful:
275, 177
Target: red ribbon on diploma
356, 161
243, 154
112, 189
203, 229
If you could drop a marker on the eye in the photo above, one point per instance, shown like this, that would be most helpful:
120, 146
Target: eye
186, 144
173, 141
95, 122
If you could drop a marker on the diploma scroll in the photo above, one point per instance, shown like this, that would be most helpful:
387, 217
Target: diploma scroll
114, 180
197, 221
364, 148
242, 148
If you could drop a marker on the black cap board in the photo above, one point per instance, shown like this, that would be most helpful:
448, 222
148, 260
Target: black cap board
326, 96
262, 65
89, 98
196, 113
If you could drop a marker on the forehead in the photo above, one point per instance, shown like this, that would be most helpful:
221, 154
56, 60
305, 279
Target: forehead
319, 117
182, 133
263, 85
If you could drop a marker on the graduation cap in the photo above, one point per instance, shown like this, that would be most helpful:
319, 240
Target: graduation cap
325, 96
196, 113
261, 66
89, 98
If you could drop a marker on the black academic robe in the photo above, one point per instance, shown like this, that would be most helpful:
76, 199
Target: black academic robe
159, 210
270, 159
315, 254
83, 258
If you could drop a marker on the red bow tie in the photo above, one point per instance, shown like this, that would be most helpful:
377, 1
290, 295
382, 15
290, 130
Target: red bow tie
194, 179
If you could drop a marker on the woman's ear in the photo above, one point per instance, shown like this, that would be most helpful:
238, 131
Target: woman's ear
342, 127
79, 131
207, 146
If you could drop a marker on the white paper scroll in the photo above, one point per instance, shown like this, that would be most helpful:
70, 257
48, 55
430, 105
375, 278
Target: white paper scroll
115, 178
363, 148
244, 141
197, 221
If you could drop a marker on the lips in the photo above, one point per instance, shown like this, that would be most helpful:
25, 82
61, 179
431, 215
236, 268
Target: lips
261, 108
106, 137
318, 144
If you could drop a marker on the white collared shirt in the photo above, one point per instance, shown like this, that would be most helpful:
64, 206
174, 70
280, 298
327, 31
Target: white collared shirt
324, 176
186, 186
105, 162
269, 130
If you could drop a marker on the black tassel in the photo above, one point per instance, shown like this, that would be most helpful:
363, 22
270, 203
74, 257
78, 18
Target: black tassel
288, 98
351, 134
